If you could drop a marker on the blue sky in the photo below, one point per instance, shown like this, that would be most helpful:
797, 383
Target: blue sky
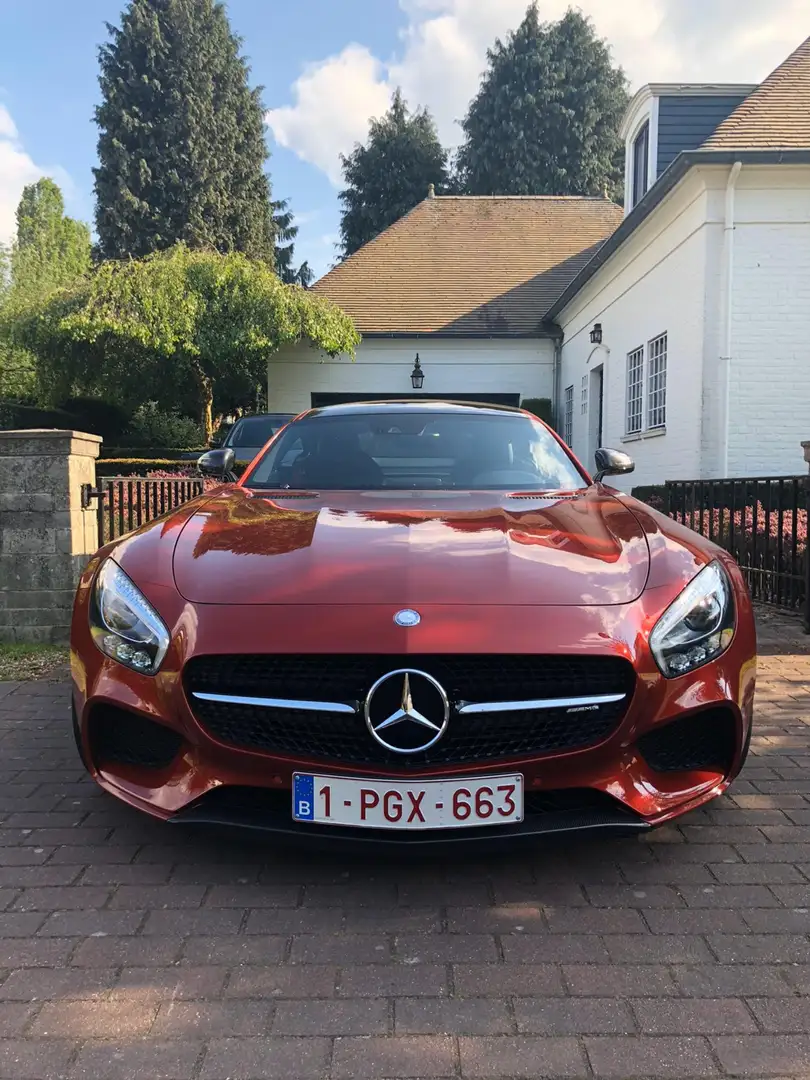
329, 65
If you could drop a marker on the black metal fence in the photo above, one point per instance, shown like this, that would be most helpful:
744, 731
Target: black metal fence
762, 522
126, 502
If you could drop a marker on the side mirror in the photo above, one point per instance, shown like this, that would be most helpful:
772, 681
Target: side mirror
218, 463
612, 463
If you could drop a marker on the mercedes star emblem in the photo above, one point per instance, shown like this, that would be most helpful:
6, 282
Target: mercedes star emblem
407, 711
407, 617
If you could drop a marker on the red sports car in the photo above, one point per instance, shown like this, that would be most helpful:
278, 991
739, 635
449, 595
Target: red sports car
412, 622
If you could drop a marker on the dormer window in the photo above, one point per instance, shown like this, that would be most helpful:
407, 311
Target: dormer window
641, 156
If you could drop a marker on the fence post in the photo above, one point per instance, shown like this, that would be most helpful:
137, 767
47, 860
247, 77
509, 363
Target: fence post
667, 499
806, 449
46, 534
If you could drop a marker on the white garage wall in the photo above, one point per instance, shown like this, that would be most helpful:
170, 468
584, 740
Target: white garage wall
659, 281
383, 366
770, 366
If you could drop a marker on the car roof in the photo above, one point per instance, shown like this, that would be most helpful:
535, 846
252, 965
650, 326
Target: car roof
415, 405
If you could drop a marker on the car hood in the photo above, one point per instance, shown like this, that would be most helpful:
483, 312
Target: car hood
411, 549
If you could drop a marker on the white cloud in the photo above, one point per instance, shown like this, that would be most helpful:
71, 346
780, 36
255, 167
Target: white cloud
17, 169
443, 52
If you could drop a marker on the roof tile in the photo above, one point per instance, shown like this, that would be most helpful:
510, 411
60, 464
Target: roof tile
471, 265
776, 116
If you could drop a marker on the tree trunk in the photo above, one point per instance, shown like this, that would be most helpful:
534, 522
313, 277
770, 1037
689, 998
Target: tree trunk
206, 388
207, 417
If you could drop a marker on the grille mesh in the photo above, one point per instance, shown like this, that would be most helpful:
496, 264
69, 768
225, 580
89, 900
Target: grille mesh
705, 740
124, 738
470, 738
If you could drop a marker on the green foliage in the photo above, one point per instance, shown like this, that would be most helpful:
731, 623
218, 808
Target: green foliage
546, 118
390, 174
152, 426
177, 326
285, 231
539, 407
181, 145
49, 251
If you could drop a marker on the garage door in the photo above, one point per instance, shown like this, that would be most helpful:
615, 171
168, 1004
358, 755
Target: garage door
319, 401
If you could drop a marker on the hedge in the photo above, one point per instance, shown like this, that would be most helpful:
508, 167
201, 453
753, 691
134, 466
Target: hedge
541, 407
135, 466
167, 453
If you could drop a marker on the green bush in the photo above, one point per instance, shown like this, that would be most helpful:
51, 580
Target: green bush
153, 426
167, 453
540, 407
142, 466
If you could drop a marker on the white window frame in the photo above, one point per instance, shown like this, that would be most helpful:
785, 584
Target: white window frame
634, 392
583, 396
645, 394
568, 415
656, 388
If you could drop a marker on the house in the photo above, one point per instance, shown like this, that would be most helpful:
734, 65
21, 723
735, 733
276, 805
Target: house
676, 328
462, 282
699, 367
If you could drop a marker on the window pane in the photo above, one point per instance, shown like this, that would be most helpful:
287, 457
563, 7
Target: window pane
583, 395
641, 149
418, 450
635, 391
568, 427
657, 383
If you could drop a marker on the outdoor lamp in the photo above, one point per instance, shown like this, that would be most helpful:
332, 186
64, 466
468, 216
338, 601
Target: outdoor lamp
417, 375
596, 334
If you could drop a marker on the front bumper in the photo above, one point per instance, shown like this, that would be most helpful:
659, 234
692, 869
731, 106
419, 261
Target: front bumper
627, 794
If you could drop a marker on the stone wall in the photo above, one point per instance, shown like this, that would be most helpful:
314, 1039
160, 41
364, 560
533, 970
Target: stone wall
46, 537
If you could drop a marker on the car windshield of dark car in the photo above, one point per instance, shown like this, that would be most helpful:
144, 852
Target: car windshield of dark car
254, 431
416, 451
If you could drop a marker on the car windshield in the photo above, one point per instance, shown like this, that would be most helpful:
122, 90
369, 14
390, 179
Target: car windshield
254, 430
416, 450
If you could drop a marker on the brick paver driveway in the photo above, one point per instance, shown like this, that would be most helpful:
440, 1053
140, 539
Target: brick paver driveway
131, 949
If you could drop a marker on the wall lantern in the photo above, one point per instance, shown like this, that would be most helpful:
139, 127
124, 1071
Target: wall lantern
417, 375
596, 334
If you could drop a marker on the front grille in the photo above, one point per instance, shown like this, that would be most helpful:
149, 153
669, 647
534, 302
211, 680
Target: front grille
705, 740
469, 738
119, 737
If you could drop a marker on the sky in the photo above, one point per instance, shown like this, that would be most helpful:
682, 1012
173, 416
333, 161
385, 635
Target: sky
328, 66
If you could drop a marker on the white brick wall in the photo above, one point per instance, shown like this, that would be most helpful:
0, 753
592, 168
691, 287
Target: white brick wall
670, 275
655, 283
770, 367
383, 366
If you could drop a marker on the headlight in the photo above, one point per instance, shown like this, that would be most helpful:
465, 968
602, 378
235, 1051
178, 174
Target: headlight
698, 626
124, 624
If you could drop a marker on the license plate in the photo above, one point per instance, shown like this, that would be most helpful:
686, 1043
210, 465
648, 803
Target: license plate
408, 804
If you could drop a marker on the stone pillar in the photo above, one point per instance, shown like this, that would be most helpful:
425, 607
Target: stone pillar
806, 448
46, 537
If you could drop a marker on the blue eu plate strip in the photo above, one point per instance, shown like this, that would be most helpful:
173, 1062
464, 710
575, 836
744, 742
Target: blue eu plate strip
303, 797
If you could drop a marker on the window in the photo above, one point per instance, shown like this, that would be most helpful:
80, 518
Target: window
657, 382
568, 425
583, 396
416, 450
641, 153
635, 391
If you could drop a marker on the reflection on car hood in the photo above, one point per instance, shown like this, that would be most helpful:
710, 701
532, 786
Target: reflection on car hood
411, 549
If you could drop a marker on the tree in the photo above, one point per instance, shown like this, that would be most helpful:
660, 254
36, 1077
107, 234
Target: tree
181, 145
48, 252
390, 174
178, 326
546, 118
285, 233
50, 249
